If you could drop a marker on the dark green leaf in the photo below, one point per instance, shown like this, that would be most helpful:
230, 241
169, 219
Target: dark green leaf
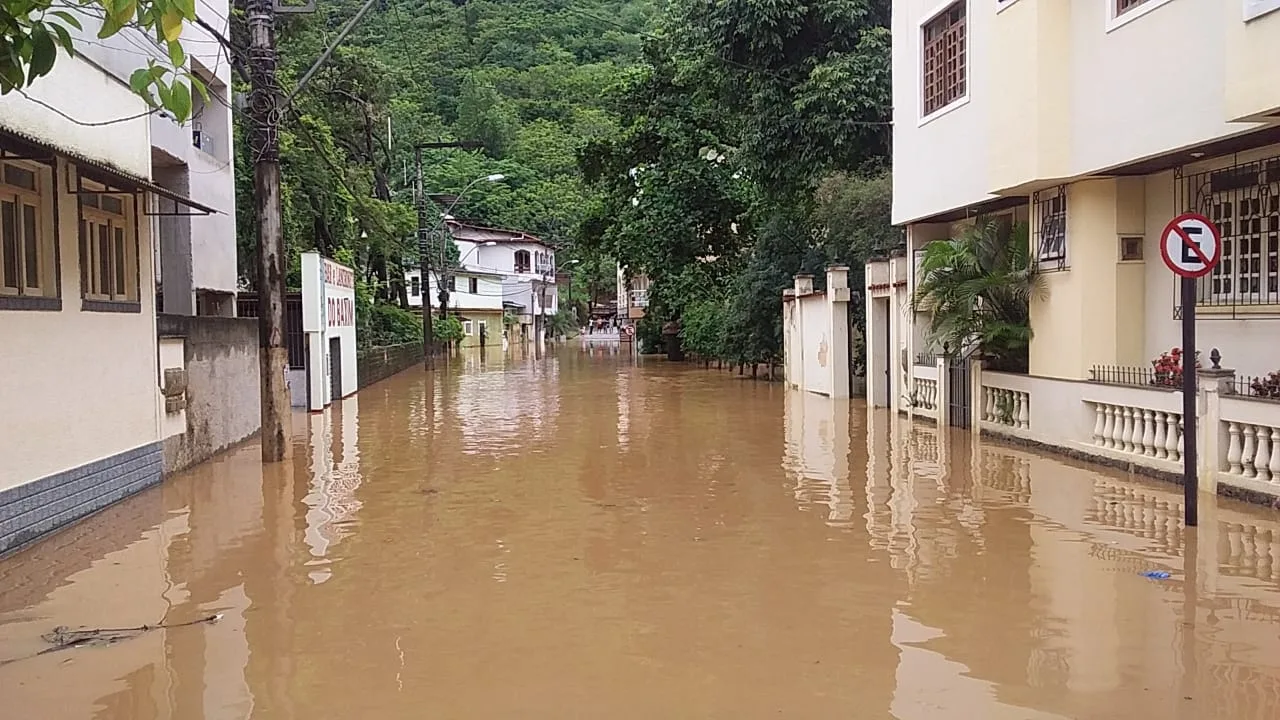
43, 53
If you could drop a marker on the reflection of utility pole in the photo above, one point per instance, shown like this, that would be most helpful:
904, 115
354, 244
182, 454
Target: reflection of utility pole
265, 146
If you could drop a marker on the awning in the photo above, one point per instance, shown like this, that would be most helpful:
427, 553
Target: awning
117, 180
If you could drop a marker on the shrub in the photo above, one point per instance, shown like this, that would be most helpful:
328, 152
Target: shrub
1267, 386
1168, 368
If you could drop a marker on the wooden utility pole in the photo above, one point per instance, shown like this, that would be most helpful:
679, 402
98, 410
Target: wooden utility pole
265, 146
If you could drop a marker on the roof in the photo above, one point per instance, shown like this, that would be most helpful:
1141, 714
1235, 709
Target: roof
482, 234
96, 169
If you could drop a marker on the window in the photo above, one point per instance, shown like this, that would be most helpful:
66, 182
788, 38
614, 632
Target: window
944, 59
1131, 248
466, 327
473, 285
27, 267
457, 284
1258, 8
1050, 215
1124, 6
522, 261
415, 286
108, 250
484, 328
1243, 200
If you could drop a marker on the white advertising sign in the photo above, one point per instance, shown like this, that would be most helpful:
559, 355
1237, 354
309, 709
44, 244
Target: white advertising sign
329, 320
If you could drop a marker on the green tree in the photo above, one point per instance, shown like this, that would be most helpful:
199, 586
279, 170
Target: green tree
977, 289
36, 32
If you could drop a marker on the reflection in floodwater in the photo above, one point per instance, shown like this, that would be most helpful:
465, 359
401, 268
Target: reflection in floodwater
582, 534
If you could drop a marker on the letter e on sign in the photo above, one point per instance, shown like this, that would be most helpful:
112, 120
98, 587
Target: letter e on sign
1191, 245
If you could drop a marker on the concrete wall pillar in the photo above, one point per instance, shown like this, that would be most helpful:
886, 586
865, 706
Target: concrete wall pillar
838, 329
1210, 444
174, 242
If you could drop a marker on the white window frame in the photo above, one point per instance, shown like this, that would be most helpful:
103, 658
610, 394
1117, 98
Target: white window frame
482, 326
42, 200
467, 327
1115, 21
415, 286
1254, 9
122, 230
968, 75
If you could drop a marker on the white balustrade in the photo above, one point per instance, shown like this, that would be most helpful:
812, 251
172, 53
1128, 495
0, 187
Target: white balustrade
1002, 406
1139, 431
925, 392
1253, 451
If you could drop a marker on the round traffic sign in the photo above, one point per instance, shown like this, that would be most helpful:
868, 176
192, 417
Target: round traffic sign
1191, 245
631, 329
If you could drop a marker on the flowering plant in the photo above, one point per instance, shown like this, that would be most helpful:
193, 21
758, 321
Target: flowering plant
1267, 386
1168, 368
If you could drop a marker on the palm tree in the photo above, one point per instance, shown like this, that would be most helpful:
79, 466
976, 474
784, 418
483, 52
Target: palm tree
977, 289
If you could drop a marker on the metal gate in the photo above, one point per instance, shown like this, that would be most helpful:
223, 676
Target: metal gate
958, 388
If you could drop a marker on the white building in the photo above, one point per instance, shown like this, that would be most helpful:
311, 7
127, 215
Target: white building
195, 258
81, 369
1084, 120
500, 272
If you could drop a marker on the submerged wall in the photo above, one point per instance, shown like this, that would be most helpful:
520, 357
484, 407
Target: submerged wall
223, 388
378, 363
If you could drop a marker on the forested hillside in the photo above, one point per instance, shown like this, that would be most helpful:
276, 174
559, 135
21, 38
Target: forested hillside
527, 78
719, 148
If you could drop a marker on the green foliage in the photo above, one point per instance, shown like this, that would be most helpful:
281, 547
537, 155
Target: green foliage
391, 325
35, 32
447, 329
562, 324
751, 147
527, 79
977, 289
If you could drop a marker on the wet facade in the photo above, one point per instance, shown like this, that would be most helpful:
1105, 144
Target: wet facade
584, 535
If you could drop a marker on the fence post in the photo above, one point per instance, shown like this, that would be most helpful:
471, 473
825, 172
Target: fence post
942, 413
1212, 384
975, 396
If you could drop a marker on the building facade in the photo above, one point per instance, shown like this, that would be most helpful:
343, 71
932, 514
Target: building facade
81, 358
633, 299
503, 276
1085, 122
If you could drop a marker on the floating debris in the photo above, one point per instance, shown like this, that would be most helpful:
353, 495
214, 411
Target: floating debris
1156, 575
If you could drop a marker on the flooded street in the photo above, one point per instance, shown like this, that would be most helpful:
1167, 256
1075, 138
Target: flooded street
587, 537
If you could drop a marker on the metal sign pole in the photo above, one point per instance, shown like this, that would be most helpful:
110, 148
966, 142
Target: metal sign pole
1191, 246
1190, 478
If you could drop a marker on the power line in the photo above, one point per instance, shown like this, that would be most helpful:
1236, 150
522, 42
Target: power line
84, 123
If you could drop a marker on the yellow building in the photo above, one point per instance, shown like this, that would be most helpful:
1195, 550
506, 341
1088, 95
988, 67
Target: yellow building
1097, 123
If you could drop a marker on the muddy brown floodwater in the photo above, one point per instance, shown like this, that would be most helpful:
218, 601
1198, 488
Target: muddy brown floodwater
582, 537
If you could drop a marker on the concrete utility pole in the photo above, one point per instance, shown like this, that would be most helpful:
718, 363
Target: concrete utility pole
424, 250
424, 263
265, 145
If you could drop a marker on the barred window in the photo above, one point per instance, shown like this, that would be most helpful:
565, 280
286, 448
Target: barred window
944, 58
1050, 210
1124, 6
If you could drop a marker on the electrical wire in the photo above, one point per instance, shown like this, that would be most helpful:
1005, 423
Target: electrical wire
84, 123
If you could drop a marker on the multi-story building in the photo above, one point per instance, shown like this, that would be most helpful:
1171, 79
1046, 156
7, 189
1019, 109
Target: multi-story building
633, 298
499, 272
1096, 123
81, 367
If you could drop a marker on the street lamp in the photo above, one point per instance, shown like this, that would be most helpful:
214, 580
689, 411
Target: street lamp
573, 304
447, 215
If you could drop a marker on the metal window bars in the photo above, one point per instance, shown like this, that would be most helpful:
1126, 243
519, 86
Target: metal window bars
1049, 208
1243, 201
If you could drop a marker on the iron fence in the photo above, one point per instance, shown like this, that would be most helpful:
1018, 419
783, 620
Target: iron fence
294, 339
927, 359
1263, 387
1133, 376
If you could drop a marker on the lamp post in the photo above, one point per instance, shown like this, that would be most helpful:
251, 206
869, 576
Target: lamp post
445, 277
573, 304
